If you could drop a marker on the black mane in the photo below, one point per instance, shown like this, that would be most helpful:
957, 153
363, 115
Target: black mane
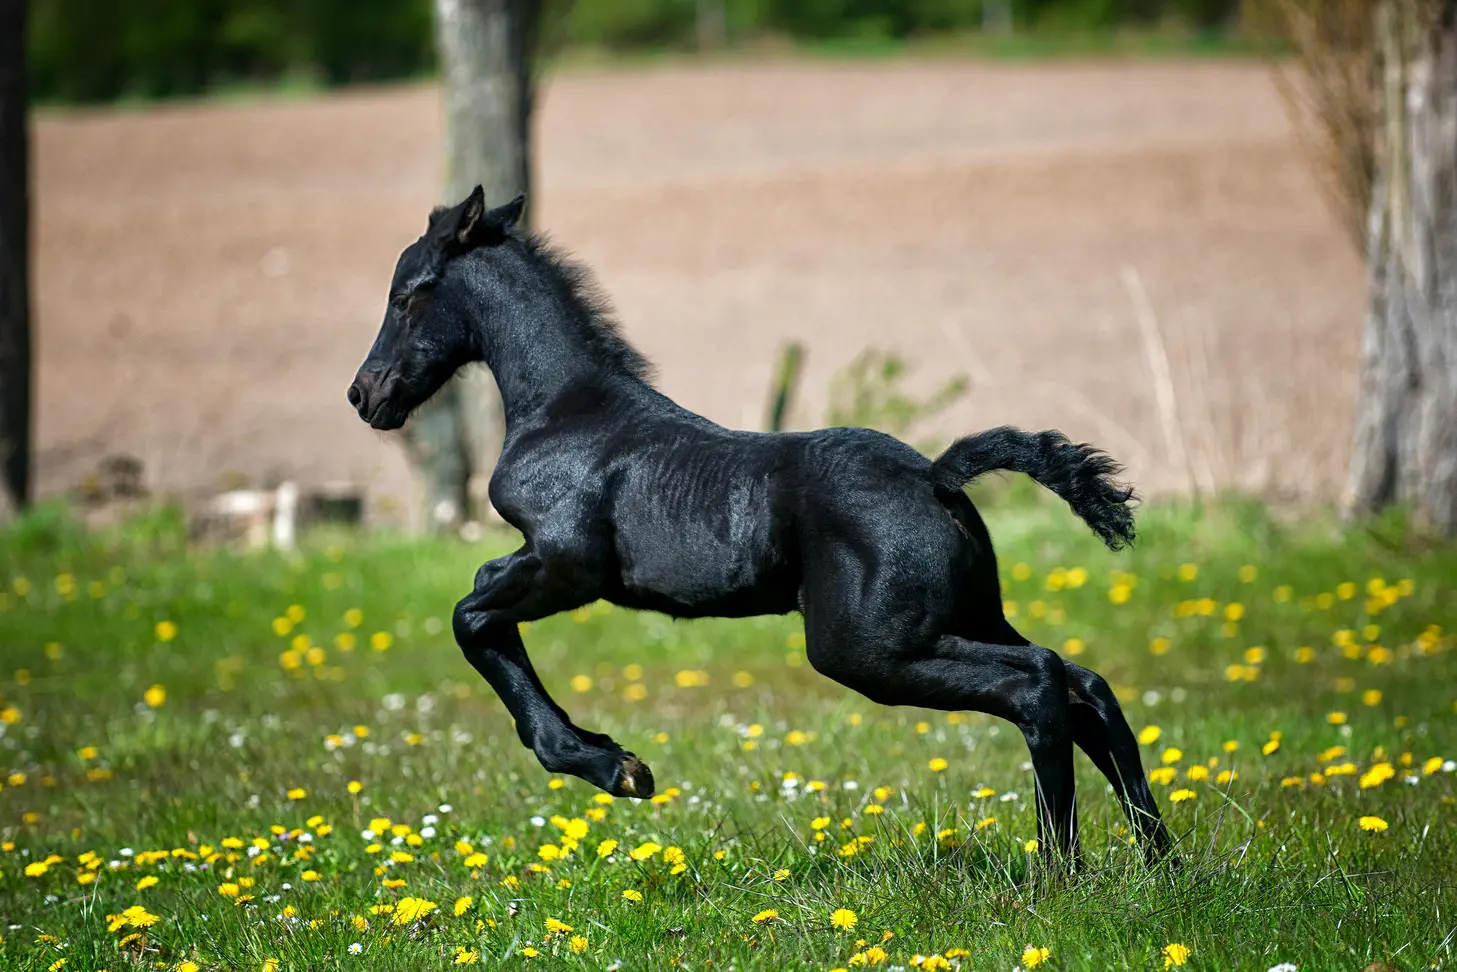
589, 307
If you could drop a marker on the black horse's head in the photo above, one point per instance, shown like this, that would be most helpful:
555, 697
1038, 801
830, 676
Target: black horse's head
427, 332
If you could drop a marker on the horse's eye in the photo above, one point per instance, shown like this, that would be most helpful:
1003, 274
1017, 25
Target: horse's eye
401, 302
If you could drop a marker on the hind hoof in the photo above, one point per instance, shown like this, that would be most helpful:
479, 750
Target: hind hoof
634, 779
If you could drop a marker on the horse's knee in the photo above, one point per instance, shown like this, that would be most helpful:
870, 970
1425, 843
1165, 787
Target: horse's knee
466, 622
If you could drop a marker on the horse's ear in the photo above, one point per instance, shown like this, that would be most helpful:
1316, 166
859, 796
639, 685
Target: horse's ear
476, 225
509, 215
471, 219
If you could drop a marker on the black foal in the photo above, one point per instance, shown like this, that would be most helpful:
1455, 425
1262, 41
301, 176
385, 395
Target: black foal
623, 495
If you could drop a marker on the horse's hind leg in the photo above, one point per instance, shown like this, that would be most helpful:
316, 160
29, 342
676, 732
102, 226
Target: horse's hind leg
514, 589
901, 660
1101, 731
1098, 728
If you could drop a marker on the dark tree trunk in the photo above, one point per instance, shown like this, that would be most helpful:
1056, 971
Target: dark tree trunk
1406, 427
15, 422
486, 61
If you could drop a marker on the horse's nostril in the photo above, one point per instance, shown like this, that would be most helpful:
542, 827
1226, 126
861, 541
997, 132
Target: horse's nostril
356, 397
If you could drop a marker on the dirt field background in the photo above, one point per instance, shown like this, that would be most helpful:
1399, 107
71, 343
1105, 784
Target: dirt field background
210, 275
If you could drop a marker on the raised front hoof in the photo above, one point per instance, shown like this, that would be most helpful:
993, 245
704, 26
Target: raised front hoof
634, 779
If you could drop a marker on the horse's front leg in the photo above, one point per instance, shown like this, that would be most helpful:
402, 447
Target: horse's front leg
518, 588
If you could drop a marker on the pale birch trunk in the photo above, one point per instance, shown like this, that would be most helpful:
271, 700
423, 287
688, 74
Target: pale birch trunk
1406, 430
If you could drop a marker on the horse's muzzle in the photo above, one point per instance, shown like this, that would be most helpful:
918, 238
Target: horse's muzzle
371, 396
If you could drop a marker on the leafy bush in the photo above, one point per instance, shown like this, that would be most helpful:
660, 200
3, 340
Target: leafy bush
81, 50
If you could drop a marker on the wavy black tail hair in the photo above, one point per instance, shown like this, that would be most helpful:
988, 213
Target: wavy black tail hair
1079, 473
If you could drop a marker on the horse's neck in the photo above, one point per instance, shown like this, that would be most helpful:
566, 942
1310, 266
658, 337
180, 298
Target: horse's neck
538, 340
541, 358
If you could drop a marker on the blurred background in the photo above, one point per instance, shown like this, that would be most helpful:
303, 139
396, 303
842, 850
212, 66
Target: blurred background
1096, 215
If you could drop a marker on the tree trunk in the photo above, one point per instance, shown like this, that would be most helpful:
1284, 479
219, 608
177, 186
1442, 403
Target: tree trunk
14, 264
485, 51
1406, 426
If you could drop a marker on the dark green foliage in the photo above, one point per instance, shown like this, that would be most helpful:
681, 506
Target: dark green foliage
83, 50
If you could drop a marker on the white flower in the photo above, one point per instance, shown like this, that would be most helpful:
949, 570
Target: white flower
445, 808
429, 819
126, 852
253, 850
850, 785
427, 832
355, 948
1282, 967
367, 834
538, 821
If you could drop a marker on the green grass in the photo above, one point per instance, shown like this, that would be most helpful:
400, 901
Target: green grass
1271, 873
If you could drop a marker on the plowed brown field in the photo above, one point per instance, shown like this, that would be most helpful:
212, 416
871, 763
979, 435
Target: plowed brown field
209, 275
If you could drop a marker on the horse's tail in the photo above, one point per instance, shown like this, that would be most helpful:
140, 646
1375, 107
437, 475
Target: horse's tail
1080, 474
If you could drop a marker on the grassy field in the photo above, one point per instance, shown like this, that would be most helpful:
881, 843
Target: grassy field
225, 761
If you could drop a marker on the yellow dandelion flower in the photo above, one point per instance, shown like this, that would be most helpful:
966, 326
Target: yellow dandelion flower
1374, 825
578, 944
937, 765
1031, 846
1336, 718
1379, 773
644, 851
412, 909
1179, 796
631, 895
147, 882
843, 918
1149, 735
1032, 956
155, 696
767, 915
1172, 755
297, 793
1272, 746
1175, 955
166, 630
466, 956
